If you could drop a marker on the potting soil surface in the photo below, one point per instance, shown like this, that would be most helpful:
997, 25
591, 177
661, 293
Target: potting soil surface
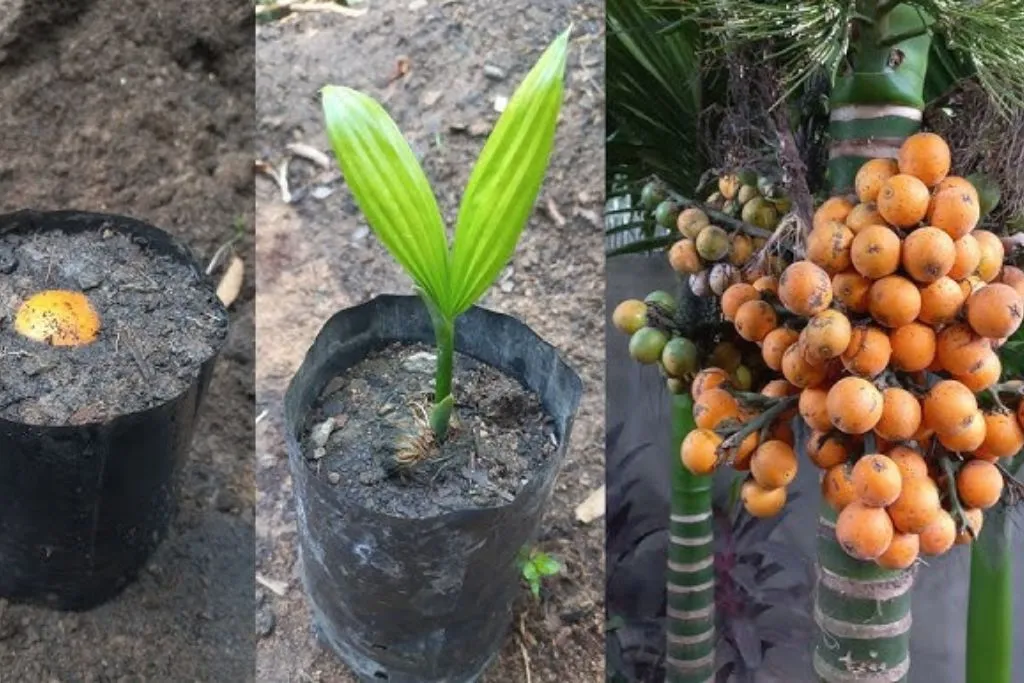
159, 322
368, 435
439, 67
145, 108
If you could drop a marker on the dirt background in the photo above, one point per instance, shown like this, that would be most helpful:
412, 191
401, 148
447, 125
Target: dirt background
145, 108
316, 256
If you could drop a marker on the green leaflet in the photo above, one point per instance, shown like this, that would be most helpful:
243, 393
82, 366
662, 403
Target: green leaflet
506, 179
390, 187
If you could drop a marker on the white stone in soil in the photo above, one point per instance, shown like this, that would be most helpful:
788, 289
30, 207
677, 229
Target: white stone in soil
322, 432
421, 362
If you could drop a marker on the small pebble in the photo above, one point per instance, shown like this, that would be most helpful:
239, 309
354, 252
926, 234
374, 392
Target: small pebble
494, 72
322, 432
334, 477
8, 261
319, 453
420, 362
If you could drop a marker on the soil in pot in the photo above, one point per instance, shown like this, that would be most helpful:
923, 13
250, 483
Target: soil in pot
157, 327
372, 418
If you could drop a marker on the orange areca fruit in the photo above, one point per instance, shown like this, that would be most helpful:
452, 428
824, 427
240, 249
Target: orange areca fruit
767, 283
903, 201
969, 437
938, 537
699, 451
774, 464
812, 409
949, 407
925, 156
826, 449
960, 350
706, 379
854, 405
913, 347
877, 481
872, 176
683, 257
901, 415
834, 209
829, 246
894, 301
941, 302
799, 371
862, 216
980, 484
968, 256
958, 183
1012, 276
826, 336
869, 351
761, 502
875, 252
901, 553
984, 374
910, 463
714, 407
779, 388
805, 289
917, 505
864, 532
995, 310
850, 290
837, 486
954, 211
755, 319
1004, 436
928, 254
735, 296
992, 255
774, 345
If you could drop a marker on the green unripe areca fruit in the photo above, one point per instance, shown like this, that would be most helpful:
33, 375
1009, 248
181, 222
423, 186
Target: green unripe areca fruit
652, 195
760, 212
713, 243
666, 214
679, 357
646, 345
663, 299
675, 386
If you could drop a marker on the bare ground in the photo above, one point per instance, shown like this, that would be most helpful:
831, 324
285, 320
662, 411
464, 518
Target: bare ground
316, 256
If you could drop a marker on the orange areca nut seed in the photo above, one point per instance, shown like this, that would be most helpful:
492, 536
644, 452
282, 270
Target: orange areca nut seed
903, 201
875, 252
829, 246
954, 211
864, 532
877, 480
925, 156
774, 345
941, 302
949, 407
938, 537
761, 502
773, 464
827, 335
1004, 436
992, 255
901, 415
854, 405
837, 486
805, 289
913, 347
901, 553
699, 451
995, 311
872, 176
714, 407
706, 379
869, 351
917, 506
894, 301
735, 296
832, 209
928, 254
58, 318
813, 410
755, 319
980, 484
850, 290
968, 256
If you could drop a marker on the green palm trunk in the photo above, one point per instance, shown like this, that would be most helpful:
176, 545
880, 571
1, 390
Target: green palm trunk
691, 564
863, 611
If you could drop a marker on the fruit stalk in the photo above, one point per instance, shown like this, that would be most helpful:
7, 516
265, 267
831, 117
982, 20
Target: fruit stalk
863, 615
879, 102
690, 652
